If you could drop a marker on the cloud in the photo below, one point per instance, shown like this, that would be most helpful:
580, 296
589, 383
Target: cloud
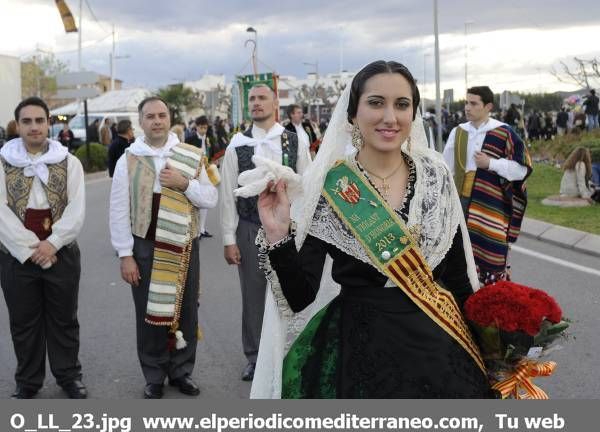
510, 43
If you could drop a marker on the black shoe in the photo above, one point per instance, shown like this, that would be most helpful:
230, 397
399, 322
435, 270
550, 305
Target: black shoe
153, 391
75, 390
248, 374
186, 385
206, 234
23, 393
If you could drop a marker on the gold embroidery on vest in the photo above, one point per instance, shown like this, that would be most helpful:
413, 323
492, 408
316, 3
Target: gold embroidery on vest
142, 174
18, 188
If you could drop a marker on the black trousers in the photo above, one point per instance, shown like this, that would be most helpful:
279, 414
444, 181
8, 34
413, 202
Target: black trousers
156, 360
42, 309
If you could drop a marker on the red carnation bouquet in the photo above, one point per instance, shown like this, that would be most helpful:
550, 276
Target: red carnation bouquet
515, 325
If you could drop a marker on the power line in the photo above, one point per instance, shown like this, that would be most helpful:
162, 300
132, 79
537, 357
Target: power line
95, 18
69, 51
243, 67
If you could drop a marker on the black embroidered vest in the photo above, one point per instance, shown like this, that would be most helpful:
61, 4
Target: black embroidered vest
247, 207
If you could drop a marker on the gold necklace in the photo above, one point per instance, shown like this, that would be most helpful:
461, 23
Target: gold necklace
385, 186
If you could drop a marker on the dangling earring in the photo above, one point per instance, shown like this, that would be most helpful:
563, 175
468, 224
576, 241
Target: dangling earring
357, 140
408, 142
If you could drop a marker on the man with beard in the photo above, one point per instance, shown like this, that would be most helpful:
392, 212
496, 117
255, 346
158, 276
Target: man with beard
42, 208
154, 201
240, 221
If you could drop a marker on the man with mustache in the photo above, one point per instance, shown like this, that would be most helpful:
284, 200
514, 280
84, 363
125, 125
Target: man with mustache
240, 221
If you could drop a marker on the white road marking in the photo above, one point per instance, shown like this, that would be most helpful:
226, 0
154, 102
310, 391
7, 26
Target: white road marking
555, 260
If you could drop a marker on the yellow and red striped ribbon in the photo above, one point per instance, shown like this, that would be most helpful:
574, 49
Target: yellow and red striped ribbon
519, 384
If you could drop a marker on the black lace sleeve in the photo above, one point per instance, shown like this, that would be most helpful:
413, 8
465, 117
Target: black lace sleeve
299, 272
452, 271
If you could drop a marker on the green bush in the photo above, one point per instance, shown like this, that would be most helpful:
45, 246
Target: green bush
98, 157
558, 149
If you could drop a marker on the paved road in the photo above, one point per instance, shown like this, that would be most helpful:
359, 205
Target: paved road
108, 353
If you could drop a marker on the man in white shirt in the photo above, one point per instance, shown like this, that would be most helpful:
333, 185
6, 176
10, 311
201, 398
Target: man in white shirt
204, 142
42, 208
490, 163
154, 201
240, 221
302, 128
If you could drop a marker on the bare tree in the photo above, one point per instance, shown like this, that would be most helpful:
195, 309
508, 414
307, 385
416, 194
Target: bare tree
38, 75
584, 73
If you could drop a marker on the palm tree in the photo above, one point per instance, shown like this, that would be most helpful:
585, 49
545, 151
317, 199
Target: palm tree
179, 99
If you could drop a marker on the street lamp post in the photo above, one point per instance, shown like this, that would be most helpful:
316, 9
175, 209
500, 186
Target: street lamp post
254, 49
467, 24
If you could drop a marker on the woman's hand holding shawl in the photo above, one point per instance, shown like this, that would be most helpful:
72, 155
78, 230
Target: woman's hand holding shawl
274, 211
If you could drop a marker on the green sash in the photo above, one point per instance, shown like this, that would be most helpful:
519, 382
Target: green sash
392, 249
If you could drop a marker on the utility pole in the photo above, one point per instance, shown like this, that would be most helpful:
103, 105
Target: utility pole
341, 51
112, 61
79, 64
467, 24
314, 88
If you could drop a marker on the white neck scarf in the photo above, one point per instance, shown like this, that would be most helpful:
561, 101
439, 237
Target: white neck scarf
276, 131
141, 148
490, 124
15, 153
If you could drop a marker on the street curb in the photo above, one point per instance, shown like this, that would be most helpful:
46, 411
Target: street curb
569, 238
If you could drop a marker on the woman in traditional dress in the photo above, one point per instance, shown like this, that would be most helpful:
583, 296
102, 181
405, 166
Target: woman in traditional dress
575, 182
389, 218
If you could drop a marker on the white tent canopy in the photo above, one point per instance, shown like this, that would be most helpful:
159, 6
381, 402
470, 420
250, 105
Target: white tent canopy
112, 101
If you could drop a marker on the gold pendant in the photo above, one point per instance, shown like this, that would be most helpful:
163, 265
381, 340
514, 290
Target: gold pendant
385, 189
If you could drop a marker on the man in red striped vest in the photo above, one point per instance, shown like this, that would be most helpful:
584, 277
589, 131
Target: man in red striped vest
490, 163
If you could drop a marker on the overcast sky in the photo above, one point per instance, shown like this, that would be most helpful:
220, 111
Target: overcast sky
513, 44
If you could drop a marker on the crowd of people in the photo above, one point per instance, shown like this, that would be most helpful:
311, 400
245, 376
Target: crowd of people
354, 259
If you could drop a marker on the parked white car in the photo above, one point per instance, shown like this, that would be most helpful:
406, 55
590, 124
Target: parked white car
79, 130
